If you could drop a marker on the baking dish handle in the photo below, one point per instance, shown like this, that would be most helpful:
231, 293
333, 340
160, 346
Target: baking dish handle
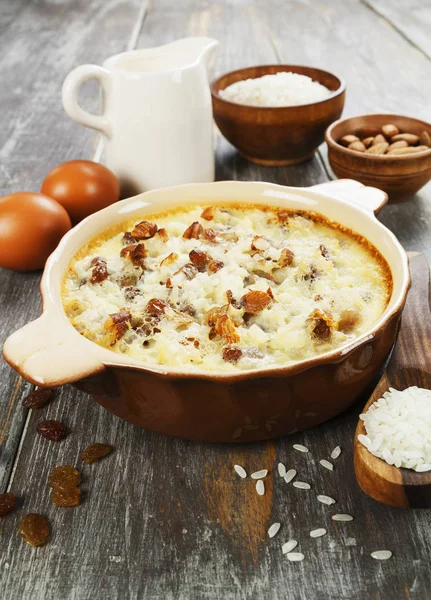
48, 354
350, 191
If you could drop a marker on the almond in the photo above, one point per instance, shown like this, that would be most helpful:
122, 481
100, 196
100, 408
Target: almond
286, 258
379, 139
194, 231
144, 231
410, 138
378, 148
215, 265
209, 213
168, 260
390, 130
255, 301
199, 258
409, 150
426, 138
395, 145
225, 328
357, 146
348, 139
368, 141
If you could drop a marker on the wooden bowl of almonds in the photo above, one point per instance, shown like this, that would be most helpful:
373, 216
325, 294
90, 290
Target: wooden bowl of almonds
390, 152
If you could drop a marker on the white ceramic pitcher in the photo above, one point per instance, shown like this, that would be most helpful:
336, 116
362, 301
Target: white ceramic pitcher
157, 114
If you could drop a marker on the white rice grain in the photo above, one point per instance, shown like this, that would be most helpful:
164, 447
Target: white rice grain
240, 471
300, 448
289, 546
342, 517
326, 499
260, 487
295, 556
259, 474
326, 464
281, 469
291, 474
336, 452
301, 485
315, 533
381, 554
274, 529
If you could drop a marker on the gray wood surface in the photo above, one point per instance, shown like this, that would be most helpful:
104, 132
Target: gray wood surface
412, 18
165, 518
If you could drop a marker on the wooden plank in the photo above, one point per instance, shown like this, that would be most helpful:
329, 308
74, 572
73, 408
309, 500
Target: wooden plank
36, 134
412, 18
336, 36
167, 518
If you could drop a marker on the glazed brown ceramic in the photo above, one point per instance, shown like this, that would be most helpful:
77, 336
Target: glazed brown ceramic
399, 176
277, 135
206, 405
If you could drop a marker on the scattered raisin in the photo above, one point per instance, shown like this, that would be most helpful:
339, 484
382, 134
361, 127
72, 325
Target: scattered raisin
324, 251
94, 452
215, 265
66, 496
188, 309
144, 231
118, 324
231, 354
136, 253
52, 430
128, 280
34, 529
37, 398
286, 258
100, 270
199, 258
214, 314
255, 301
194, 231
64, 476
194, 340
7, 503
209, 213
156, 306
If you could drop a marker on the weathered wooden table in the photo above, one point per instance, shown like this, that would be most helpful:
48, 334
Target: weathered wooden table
166, 518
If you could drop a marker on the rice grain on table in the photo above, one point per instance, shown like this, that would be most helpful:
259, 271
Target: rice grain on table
291, 474
295, 556
326, 499
259, 474
281, 469
315, 533
274, 529
342, 517
300, 448
240, 471
289, 546
381, 554
326, 464
260, 487
301, 485
336, 452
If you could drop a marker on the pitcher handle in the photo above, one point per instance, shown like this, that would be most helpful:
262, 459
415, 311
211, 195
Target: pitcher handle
70, 90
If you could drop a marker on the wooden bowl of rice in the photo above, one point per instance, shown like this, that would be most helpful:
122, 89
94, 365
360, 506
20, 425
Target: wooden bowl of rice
277, 135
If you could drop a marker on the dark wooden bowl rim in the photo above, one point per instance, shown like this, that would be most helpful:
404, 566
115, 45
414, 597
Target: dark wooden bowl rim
282, 69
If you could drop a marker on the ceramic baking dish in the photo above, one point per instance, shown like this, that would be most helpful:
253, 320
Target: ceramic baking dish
211, 406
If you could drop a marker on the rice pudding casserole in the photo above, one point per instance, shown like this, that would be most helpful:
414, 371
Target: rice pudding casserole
226, 287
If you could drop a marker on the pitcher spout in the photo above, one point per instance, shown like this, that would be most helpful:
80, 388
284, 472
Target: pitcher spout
196, 49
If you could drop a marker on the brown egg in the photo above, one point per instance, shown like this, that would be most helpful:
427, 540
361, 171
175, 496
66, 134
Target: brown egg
83, 187
31, 225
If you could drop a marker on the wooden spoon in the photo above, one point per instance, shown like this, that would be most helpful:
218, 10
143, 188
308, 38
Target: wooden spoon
410, 365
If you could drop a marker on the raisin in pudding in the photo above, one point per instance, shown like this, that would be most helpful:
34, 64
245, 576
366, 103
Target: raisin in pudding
228, 287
